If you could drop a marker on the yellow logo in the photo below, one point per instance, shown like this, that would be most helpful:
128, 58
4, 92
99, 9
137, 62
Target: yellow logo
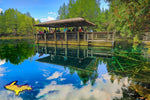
17, 88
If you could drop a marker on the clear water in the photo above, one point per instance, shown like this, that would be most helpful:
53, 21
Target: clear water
75, 72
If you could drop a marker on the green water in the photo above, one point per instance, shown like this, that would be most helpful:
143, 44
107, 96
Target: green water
61, 72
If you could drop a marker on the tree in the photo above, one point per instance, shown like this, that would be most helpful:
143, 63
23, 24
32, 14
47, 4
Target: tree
2, 24
14, 23
129, 17
90, 11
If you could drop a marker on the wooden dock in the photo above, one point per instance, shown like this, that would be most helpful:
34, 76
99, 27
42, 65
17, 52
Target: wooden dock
76, 38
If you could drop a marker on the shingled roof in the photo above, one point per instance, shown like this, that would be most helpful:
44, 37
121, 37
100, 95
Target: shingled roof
72, 22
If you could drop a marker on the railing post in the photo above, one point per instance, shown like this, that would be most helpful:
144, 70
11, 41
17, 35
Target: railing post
107, 36
78, 37
55, 38
66, 38
45, 37
96, 35
36, 38
113, 36
84, 36
87, 37
92, 36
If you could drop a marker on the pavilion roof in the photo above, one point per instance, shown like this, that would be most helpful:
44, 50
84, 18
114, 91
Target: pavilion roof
72, 22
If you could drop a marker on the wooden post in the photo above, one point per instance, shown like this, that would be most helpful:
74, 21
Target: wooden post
78, 38
84, 36
66, 38
113, 36
96, 36
146, 34
55, 38
45, 37
87, 37
36, 38
92, 36
107, 36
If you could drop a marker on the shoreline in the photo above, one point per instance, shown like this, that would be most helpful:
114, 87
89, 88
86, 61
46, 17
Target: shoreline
18, 37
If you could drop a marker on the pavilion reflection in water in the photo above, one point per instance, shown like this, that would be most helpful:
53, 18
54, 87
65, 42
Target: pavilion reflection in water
81, 59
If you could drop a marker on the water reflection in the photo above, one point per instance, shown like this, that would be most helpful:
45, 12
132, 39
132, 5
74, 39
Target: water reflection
16, 51
123, 62
59, 72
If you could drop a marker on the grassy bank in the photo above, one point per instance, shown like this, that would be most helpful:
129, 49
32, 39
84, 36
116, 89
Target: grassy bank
18, 37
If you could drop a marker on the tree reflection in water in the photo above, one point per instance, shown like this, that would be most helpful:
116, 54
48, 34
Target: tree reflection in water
16, 51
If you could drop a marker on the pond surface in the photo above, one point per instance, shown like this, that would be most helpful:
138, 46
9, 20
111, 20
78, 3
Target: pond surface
56, 72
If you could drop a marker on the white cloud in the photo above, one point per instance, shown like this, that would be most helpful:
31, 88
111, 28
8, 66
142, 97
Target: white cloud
1, 10
36, 19
47, 19
51, 13
62, 79
2, 62
105, 91
8, 95
2, 71
55, 75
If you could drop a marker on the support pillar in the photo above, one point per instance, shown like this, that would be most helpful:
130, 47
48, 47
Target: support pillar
55, 38
78, 36
107, 36
84, 36
36, 38
92, 36
113, 38
45, 37
66, 40
87, 37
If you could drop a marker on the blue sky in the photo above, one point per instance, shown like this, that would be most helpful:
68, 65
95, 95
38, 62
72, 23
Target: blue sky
39, 9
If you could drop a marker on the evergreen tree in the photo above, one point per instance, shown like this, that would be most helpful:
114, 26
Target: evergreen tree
14, 23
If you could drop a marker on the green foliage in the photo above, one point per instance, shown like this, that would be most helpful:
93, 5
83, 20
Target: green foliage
16, 51
88, 9
14, 23
130, 16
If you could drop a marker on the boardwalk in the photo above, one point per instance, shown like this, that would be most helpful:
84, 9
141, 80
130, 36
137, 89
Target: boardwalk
74, 38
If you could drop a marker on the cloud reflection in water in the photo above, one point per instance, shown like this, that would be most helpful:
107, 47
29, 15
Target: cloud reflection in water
100, 91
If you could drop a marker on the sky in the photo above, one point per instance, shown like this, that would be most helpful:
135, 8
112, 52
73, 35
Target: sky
44, 10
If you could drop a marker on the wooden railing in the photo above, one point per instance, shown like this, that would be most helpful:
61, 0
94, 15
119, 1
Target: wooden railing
75, 36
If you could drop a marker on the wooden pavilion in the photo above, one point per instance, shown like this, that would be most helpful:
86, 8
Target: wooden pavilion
74, 38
